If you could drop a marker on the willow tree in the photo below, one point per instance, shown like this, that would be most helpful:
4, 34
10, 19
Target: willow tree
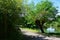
9, 18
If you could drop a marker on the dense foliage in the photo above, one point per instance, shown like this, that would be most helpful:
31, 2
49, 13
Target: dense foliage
9, 19
44, 11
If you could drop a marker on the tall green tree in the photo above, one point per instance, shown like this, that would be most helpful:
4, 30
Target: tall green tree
42, 11
9, 18
46, 11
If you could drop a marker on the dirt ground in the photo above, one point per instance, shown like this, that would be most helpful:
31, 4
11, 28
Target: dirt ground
35, 36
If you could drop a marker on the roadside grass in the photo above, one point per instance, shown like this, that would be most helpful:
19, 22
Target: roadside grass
31, 30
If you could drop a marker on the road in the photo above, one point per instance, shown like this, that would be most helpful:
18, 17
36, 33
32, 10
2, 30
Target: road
36, 36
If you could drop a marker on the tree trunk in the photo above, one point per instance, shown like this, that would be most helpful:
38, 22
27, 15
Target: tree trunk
5, 25
38, 23
41, 28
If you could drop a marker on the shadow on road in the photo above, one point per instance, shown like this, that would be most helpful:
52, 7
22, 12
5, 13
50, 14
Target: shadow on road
34, 38
51, 34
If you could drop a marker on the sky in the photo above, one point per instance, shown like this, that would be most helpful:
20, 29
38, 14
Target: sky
56, 3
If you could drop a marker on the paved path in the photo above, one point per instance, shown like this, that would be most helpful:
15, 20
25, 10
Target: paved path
36, 36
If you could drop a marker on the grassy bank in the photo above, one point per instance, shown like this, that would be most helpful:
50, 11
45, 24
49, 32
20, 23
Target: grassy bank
31, 30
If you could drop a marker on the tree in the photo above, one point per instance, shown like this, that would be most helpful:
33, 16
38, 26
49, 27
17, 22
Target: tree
41, 11
9, 18
45, 11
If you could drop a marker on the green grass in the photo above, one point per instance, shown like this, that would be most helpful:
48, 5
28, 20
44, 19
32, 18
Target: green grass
31, 30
